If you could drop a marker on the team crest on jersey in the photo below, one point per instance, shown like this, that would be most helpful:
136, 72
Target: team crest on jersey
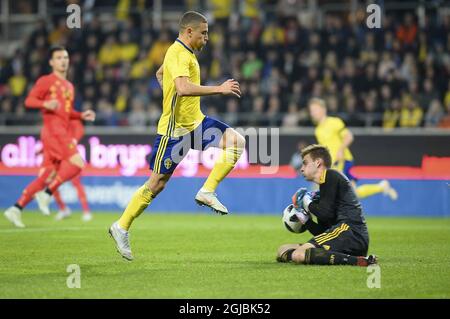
168, 163
326, 247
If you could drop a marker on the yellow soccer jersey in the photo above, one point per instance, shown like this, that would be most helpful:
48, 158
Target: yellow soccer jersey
330, 133
180, 114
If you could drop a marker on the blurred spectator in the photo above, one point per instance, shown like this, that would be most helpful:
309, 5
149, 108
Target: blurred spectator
428, 94
105, 114
110, 53
411, 114
123, 98
445, 120
231, 116
406, 32
137, 116
272, 35
434, 114
292, 117
273, 111
391, 115
153, 113
17, 83
251, 66
158, 50
296, 159
221, 10
128, 49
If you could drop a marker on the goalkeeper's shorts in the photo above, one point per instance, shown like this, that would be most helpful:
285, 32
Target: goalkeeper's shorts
344, 238
168, 151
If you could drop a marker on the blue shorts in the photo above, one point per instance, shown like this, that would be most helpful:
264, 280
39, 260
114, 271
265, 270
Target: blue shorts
168, 151
347, 166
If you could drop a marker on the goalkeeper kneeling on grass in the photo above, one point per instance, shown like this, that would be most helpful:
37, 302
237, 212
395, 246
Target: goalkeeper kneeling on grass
340, 234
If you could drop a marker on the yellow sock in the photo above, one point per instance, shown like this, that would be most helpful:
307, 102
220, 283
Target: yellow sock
367, 190
138, 203
223, 166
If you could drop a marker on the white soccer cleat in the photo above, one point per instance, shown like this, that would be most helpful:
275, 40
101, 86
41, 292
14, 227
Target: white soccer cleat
43, 199
388, 189
210, 199
87, 217
62, 214
120, 236
14, 215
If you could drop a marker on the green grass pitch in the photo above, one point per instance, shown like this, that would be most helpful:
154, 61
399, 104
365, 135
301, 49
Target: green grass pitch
209, 256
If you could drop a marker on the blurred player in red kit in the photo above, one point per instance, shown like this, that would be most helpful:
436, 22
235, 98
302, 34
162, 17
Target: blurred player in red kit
53, 94
76, 130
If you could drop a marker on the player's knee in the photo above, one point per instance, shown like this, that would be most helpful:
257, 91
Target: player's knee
77, 160
240, 141
232, 138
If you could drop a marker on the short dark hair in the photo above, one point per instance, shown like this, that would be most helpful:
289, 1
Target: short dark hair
318, 151
54, 49
191, 19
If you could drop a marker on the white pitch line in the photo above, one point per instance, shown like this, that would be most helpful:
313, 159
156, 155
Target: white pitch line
34, 230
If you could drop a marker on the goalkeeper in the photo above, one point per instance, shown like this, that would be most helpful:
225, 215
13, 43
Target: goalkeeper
340, 234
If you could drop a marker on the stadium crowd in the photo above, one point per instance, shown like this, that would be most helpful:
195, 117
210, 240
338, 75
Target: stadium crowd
395, 76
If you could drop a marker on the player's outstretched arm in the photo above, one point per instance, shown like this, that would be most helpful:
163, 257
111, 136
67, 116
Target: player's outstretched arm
185, 87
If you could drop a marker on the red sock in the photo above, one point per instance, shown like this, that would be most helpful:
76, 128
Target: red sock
76, 181
58, 200
65, 172
35, 186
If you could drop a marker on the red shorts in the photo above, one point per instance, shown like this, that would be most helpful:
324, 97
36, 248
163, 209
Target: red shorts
58, 148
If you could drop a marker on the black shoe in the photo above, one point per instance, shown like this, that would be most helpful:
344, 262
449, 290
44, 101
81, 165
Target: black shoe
367, 261
372, 260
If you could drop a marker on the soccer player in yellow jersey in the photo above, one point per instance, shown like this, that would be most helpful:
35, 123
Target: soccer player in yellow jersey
183, 126
332, 133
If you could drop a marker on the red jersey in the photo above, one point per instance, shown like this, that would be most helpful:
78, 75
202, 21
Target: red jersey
76, 129
52, 87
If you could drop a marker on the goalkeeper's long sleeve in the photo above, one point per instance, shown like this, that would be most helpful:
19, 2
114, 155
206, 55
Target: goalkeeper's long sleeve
315, 228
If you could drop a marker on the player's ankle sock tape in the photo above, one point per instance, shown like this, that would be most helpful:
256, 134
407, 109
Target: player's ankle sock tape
320, 256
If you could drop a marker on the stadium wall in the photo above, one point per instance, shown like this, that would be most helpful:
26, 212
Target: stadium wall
242, 195
116, 168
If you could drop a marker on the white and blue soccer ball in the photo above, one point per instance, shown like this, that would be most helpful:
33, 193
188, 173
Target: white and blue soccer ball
292, 221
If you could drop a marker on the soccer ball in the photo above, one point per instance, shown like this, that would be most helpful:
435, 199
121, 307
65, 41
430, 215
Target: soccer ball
291, 221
